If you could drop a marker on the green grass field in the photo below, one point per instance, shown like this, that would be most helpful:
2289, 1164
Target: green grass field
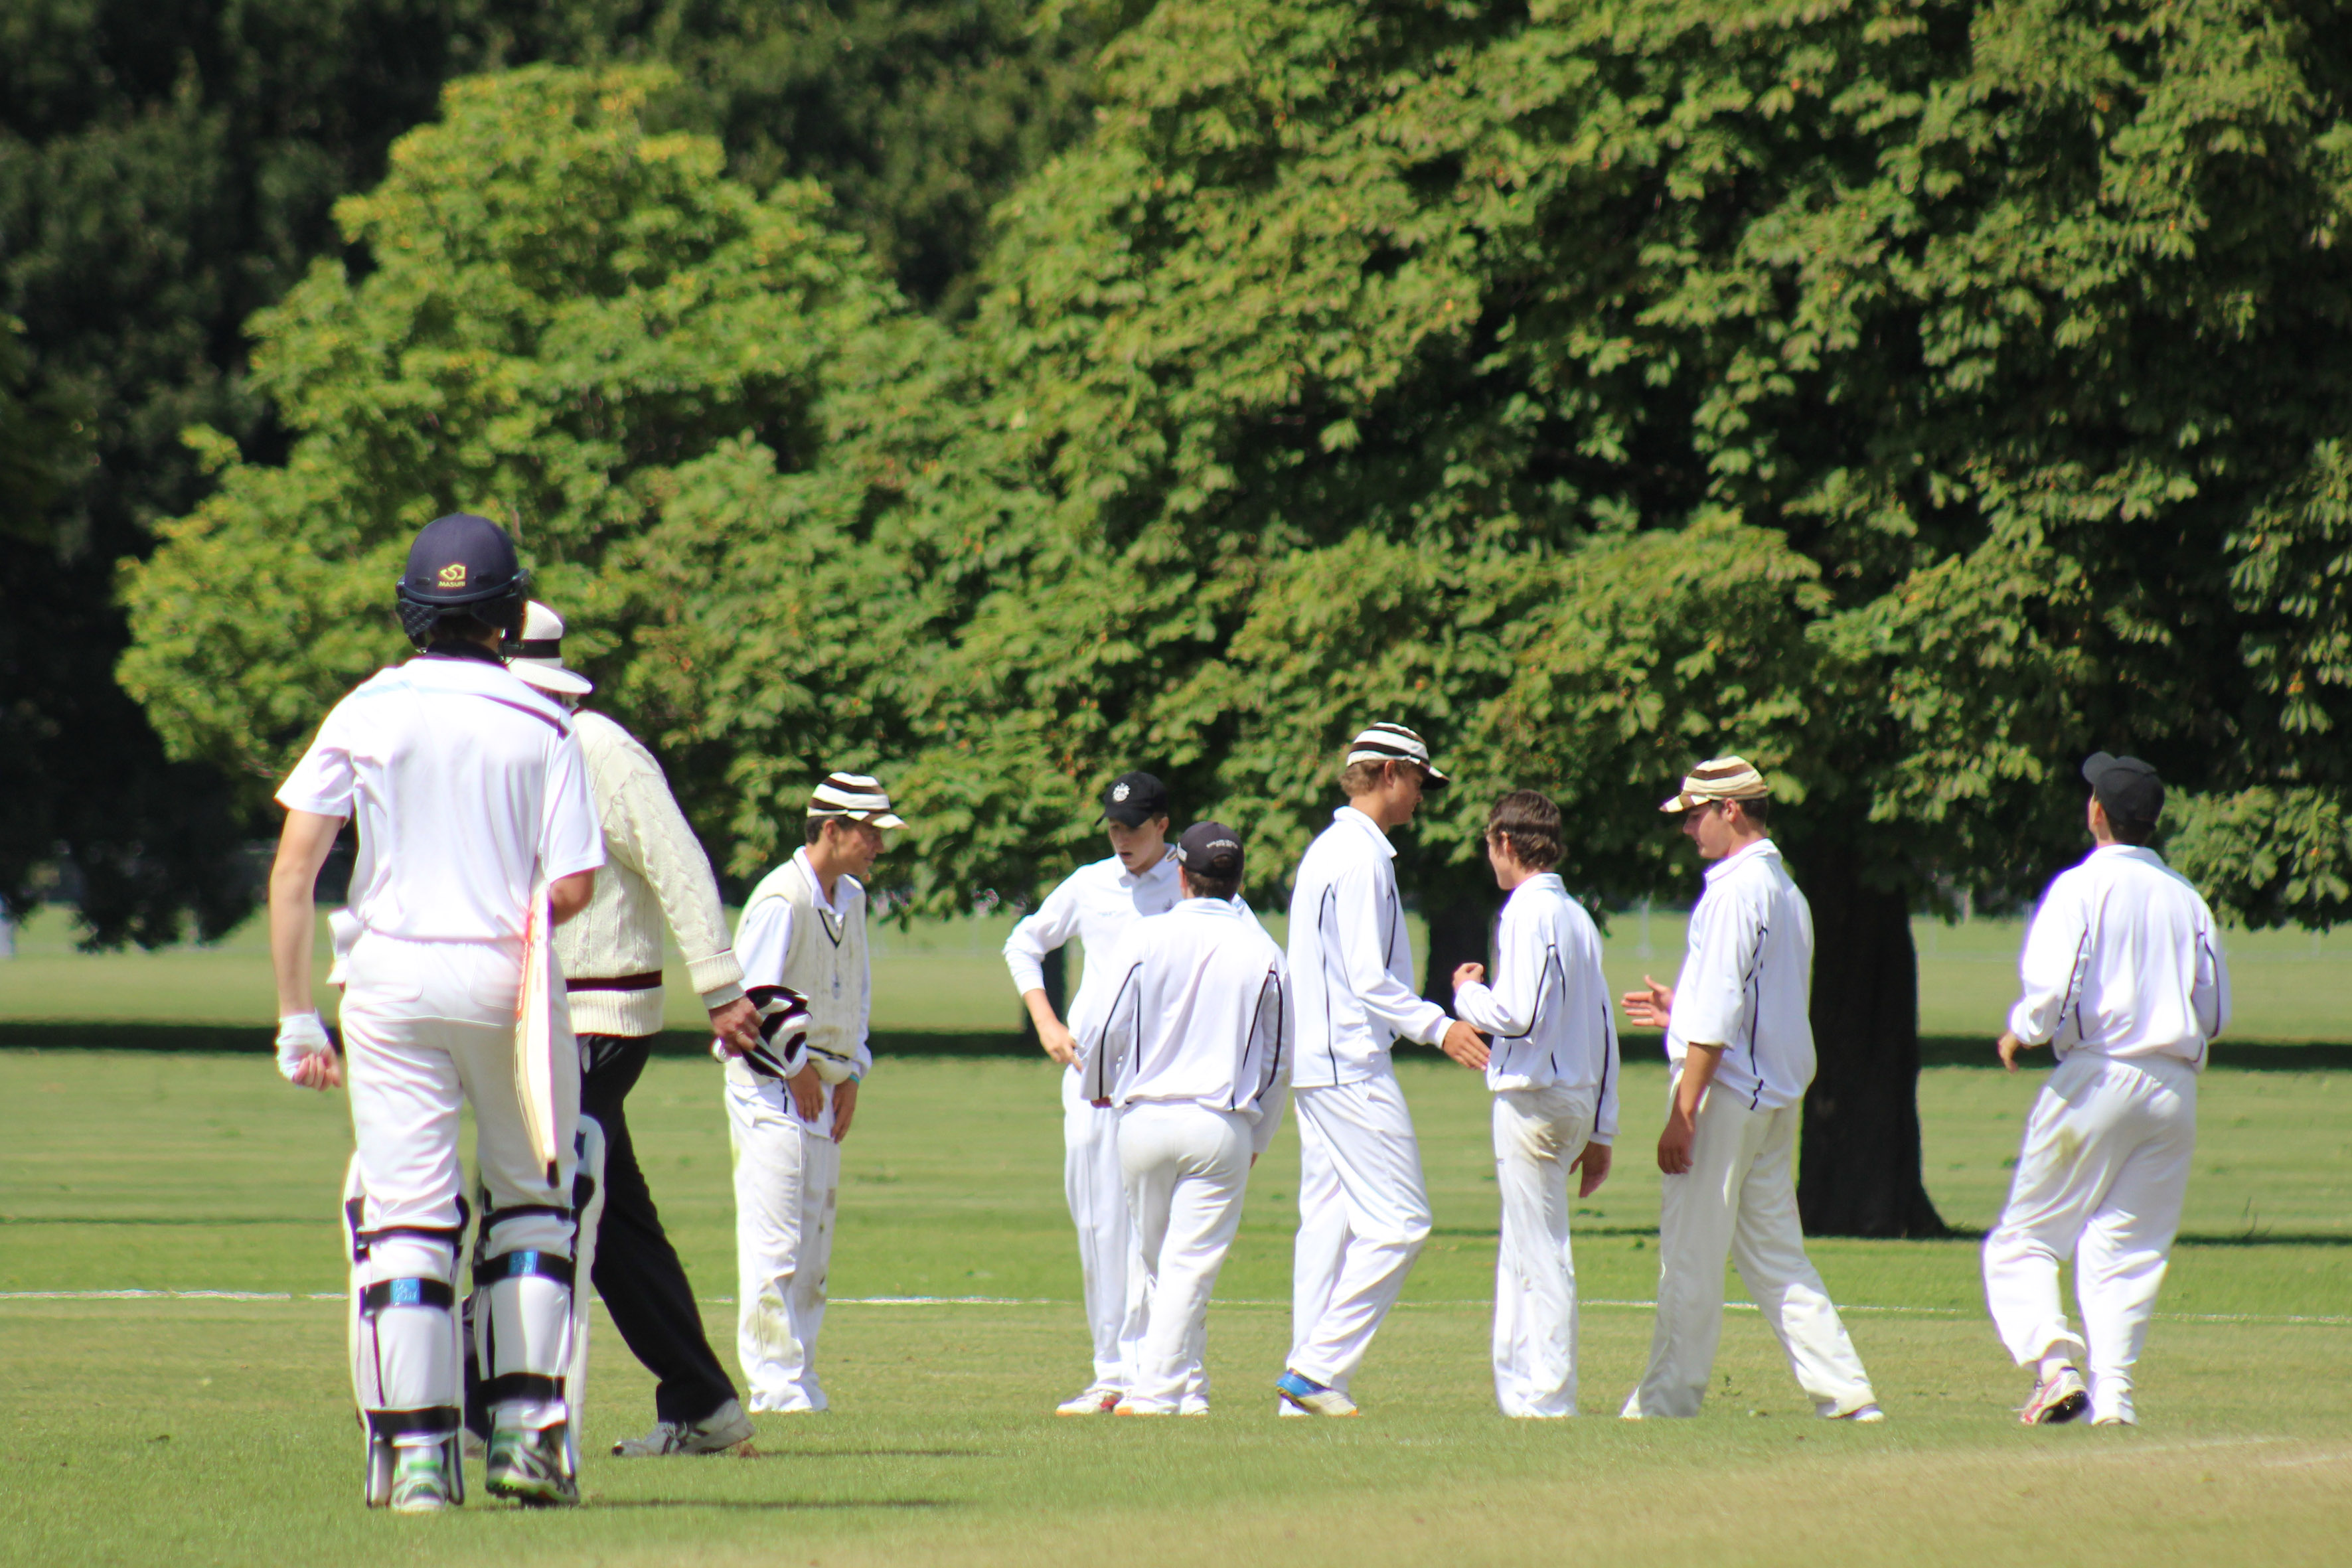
183, 1429
2291, 985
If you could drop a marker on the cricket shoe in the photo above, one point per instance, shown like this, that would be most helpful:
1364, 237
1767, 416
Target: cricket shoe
1097, 1401
1860, 1415
1192, 1404
420, 1481
2059, 1397
1308, 1397
724, 1428
527, 1467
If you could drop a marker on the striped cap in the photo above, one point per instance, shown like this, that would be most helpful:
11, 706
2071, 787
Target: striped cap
860, 797
1394, 743
1719, 778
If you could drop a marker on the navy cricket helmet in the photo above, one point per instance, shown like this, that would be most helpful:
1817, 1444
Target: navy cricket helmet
461, 562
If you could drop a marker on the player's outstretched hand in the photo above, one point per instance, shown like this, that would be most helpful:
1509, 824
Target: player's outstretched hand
2009, 1045
1594, 1164
1649, 1009
735, 1027
1059, 1043
845, 1106
1465, 1045
1469, 975
808, 1094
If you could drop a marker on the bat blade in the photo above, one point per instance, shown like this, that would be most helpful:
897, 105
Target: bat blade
535, 1035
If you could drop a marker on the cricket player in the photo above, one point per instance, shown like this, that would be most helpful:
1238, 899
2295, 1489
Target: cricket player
1192, 1050
656, 874
1739, 1043
2123, 973
802, 931
1099, 904
1552, 1066
471, 799
1364, 1211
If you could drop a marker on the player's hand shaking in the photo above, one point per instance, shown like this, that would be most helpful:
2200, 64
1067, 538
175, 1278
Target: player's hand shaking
1465, 1045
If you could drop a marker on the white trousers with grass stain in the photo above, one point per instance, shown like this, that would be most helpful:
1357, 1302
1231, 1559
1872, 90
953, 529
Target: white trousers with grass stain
2101, 1178
787, 1187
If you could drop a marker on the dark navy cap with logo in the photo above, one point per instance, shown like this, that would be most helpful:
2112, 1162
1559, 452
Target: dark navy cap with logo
1209, 849
460, 559
2126, 787
1134, 799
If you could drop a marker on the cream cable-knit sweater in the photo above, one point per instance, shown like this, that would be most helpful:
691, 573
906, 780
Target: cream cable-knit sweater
654, 869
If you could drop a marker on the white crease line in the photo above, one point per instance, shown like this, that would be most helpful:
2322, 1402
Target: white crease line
2303, 1318
2339, 1458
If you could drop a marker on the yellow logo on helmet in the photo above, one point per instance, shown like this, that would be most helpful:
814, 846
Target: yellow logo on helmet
454, 574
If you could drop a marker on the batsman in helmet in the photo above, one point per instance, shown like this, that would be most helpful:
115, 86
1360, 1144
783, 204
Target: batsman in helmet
476, 834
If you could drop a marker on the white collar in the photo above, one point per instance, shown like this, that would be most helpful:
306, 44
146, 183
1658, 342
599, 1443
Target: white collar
838, 905
1745, 852
1542, 881
1164, 866
1349, 814
2133, 851
1225, 907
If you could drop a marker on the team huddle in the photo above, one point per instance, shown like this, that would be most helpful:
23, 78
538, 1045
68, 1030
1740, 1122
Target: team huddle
520, 858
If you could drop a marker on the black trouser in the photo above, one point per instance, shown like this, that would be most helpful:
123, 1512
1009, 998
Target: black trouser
637, 1272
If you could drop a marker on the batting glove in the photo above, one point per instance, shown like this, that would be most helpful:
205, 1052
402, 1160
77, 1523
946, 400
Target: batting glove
300, 1037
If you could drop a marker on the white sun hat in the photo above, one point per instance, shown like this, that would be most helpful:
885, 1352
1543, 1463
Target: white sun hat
537, 656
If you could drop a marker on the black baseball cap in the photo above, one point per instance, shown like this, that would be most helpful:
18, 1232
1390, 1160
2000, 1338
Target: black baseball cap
2127, 787
460, 559
1134, 799
1209, 849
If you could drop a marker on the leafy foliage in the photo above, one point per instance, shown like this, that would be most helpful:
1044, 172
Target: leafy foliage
571, 324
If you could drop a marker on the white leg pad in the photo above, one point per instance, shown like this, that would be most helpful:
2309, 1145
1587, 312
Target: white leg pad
407, 1357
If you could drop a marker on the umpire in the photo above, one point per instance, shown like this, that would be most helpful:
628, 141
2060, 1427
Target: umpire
612, 958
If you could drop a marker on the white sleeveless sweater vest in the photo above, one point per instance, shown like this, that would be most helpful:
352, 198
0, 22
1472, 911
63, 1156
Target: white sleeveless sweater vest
825, 961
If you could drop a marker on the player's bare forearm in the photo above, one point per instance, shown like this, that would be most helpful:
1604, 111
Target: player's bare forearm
1052, 1032
1681, 1131
567, 896
303, 846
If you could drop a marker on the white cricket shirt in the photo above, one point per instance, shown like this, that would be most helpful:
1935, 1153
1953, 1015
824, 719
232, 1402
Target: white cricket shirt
1099, 904
465, 785
1351, 962
1748, 980
1199, 1013
2123, 958
1549, 1009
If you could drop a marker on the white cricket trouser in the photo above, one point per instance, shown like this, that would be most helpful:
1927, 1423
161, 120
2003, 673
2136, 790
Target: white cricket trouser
1092, 1181
787, 1185
429, 1028
1186, 1169
1363, 1214
1538, 1133
2101, 1177
1738, 1200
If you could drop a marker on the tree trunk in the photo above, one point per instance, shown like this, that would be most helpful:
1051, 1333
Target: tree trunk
1057, 969
1459, 931
1858, 1168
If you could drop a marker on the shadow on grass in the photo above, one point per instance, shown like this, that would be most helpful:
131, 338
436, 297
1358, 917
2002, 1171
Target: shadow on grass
754, 1505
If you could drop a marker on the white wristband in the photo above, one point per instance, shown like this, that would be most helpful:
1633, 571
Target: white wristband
300, 1037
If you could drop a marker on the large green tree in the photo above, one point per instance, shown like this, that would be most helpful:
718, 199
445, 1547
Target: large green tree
574, 324
168, 168
1894, 391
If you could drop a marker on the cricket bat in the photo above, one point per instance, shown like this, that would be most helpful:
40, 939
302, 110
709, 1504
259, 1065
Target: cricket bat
534, 1052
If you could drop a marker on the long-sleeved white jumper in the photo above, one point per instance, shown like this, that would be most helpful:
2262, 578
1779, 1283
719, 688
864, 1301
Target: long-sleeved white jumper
1199, 1013
1099, 904
2123, 959
1351, 962
1548, 1008
1747, 982
654, 872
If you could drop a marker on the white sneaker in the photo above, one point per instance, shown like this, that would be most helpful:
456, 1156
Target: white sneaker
1093, 1402
1867, 1416
2059, 1397
1192, 1404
